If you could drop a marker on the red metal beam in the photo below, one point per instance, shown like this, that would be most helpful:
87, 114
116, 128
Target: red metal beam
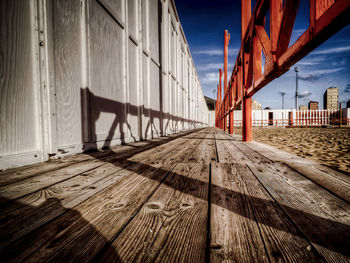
326, 18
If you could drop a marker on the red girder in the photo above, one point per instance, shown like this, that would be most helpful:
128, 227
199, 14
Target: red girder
326, 18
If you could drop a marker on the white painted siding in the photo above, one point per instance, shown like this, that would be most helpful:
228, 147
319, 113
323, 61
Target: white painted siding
90, 74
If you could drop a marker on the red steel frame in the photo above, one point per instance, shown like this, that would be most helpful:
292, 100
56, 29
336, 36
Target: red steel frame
326, 18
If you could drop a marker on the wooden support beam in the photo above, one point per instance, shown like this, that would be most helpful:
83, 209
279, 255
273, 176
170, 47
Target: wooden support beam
257, 49
326, 18
289, 15
276, 11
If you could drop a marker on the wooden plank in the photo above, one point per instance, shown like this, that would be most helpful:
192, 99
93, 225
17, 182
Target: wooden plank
234, 237
242, 199
71, 192
162, 153
182, 152
226, 151
205, 152
43, 180
287, 23
21, 173
19, 220
82, 232
67, 19
321, 217
336, 182
18, 99
172, 225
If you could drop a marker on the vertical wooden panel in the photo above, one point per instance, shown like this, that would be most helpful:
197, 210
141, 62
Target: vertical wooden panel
116, 7
106, 75
146, 129
133, 109
145, 15
132, 17
67, 45
154, 29
155, 98
18, 87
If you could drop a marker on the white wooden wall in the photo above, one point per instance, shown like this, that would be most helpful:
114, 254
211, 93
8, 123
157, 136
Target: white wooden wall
84, 74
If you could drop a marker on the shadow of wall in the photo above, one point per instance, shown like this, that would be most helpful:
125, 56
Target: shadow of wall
118, 126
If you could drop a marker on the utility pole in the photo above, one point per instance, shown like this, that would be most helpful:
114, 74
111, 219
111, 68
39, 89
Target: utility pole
214, 91
296, 88
283, 93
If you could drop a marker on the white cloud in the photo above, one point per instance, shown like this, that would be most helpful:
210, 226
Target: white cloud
331, 50
304, 94
210, 78
328, 71
216, 52
311, 61
213, 66
316, 74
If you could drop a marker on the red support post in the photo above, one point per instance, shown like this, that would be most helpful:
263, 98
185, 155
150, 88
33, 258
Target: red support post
226, 42
222, 126
247, 101
231, 112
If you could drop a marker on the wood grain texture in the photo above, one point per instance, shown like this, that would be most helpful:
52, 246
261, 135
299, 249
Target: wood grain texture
149, 201
67, 50
107, 69
171, 226
226, 151
334, 181
234, 234
44, 205
133, 89
154, 29
205, 152
155, 97
18, 87
322, 217
82, 232
282, 240
32, 180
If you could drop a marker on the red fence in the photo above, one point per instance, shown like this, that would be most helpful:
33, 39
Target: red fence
300, 118
326, 17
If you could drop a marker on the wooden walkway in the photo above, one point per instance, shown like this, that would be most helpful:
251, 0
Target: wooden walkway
194, 197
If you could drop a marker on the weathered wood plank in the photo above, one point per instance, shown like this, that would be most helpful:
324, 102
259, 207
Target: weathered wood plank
172, 225
37, 209
70, 192
283, 241
121, 151
334, 181
234, 233
43, 180
205, 152
226, 152
323, 218
82, 232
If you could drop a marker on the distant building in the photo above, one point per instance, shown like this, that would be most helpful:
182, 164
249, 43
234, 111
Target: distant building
313, 105
331, 98
348, 104
210, 103
302, 107
256, 105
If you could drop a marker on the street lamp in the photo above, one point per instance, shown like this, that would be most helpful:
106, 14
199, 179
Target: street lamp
296, 88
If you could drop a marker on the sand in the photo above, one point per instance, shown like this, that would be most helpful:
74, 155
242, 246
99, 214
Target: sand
328, 146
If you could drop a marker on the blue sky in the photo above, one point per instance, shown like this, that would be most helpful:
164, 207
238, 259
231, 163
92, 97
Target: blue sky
204, 22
